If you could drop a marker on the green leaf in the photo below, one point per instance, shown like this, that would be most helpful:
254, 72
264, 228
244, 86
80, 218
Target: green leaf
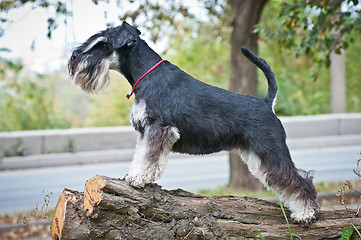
345, 45
346, 234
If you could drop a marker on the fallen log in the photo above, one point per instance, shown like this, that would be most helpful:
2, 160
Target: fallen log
110, 209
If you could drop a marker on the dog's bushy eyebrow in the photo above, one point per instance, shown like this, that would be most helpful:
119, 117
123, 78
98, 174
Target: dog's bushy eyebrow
94, 42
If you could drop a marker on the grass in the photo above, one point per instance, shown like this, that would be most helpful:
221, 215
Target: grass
328, 186
224, 190
359, 234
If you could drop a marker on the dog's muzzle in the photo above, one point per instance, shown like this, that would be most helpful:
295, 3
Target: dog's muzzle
91, 71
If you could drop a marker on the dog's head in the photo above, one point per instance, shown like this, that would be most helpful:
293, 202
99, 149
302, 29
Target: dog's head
90, 62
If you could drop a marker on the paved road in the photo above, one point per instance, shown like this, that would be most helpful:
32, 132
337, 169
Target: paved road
23, 190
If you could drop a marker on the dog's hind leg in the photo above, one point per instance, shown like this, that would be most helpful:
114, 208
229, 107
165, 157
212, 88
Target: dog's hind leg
149, 160
299, 196
294, 187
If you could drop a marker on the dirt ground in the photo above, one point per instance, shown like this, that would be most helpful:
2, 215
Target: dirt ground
26, 225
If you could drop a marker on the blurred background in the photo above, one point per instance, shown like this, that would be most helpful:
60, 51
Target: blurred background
53, 135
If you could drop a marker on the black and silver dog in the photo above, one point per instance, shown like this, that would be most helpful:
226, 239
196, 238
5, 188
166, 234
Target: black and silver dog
173, 111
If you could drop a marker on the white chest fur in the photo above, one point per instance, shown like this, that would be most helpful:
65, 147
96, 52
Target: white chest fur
138, 115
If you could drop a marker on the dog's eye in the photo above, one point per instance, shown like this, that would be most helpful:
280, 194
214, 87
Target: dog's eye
101, 45
131, 43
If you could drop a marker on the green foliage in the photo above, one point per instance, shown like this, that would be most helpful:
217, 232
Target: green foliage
27, 102
111, 107
353, 75
304, 87
204, 56
305, 34
316, 28
18, 149
71, 147
299, 93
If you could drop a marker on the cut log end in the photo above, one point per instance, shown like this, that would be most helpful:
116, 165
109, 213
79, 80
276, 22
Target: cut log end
93, 193
57, 224
68, 220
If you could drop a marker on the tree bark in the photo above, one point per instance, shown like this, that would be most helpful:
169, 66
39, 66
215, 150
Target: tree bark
111, 209
246, 14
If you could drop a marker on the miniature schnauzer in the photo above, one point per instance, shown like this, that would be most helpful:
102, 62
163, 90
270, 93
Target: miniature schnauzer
173, 111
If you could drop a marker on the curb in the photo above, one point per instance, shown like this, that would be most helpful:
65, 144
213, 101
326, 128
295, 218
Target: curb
79, 158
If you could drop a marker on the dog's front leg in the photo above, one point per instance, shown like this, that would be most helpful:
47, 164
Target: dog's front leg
149, 160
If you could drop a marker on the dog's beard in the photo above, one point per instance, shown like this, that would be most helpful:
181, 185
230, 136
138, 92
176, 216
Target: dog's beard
91, 79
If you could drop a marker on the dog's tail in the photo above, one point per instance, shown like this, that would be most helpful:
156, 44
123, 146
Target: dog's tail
266, 69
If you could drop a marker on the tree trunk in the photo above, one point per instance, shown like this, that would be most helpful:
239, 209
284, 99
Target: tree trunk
111, 209
246, 14
338, 74
240, 177
338, 83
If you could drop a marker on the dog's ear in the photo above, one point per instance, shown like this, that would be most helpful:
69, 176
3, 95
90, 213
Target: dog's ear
126, 35
130, 28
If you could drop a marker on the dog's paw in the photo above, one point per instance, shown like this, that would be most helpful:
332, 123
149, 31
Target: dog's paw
305, 219
135, 181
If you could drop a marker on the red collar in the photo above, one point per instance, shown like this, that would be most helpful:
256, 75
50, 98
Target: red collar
145, 74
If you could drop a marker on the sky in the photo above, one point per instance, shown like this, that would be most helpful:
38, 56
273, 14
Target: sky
27, 40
